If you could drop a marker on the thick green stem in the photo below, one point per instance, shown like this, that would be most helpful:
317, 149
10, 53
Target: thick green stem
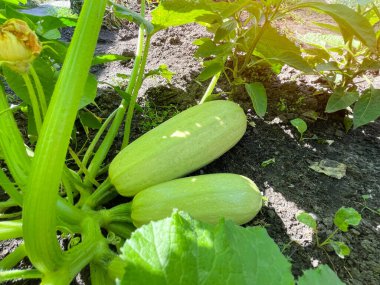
34, 102
99, 275
123, 230
40, 211
40, 90
12, 145
93, 245
102, 194
210, 87
10, 229
119, 213
13, 258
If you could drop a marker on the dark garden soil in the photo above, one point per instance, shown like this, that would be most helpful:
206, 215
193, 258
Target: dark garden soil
288, 183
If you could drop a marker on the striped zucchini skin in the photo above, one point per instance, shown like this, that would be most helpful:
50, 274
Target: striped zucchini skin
179, 146
207, 198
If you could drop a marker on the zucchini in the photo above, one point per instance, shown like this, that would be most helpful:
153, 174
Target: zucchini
179, 146
207, 198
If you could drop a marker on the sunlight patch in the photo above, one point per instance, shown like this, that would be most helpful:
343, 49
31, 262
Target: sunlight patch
297, 232
180, 134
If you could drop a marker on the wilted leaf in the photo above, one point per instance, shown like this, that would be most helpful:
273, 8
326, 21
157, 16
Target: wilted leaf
330, 167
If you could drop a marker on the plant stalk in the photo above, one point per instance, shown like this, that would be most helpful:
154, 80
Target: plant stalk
39, 227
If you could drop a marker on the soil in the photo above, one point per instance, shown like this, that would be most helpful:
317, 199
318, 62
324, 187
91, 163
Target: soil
289, 184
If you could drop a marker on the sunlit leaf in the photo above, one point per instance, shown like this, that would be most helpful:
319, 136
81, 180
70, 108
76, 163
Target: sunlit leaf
171, 13
182, 251
350, 22
277, 48
367, 108
340, 100
318, 276
346, 217
307, 220
300, 125
212, 67
125, 13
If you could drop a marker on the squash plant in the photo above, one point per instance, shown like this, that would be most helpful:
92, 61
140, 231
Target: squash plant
341, 59
57, 201
244, 36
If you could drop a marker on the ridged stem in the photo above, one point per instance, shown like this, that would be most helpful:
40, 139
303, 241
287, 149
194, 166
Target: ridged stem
40, 212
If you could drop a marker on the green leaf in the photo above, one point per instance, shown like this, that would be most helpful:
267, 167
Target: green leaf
183, 251
208, 48
367, 108
89, 93
340, 100
15, 1
104, 58
227, 9
89, 119
277, 48
258, 95
340, 248
346, 217
350, 22
212, 67
171, 13
370, 64
327, 66
163, 71
300, 125
225, 29
125, 13
318, 276
267, 162
307, 220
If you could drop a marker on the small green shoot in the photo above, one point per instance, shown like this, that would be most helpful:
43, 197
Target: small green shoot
268, 162
344, 218
366, 207
300, 125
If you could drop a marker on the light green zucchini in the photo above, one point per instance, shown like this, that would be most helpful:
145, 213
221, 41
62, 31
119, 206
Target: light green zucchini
207, 198
179, 146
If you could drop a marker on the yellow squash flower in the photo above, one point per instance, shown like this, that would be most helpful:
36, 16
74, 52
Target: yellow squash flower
19, 45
